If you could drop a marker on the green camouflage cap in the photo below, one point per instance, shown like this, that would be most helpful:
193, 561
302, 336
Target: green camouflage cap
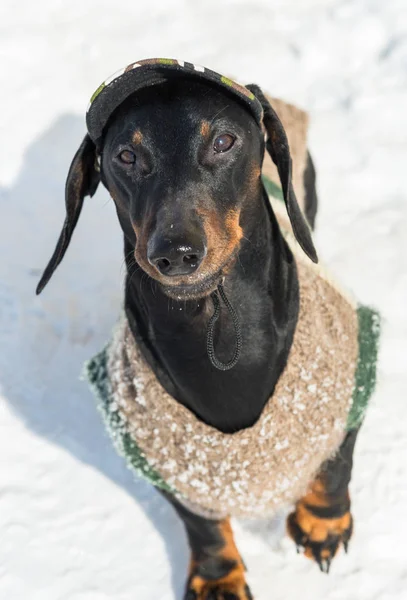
145, 73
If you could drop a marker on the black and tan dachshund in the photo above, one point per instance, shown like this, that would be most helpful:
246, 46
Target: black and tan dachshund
182, 162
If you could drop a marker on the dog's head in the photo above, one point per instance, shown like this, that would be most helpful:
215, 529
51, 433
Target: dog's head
181, 157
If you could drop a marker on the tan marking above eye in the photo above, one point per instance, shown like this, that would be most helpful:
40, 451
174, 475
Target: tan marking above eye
205, 128
137, 137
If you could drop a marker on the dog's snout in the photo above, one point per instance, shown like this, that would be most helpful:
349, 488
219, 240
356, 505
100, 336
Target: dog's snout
174, 257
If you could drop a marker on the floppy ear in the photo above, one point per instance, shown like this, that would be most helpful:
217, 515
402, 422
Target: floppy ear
278, 148
83, 180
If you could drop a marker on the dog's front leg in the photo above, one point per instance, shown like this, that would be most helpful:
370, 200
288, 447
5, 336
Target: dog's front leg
322, 520
216, 570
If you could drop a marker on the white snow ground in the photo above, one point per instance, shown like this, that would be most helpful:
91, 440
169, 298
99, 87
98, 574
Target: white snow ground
73, 522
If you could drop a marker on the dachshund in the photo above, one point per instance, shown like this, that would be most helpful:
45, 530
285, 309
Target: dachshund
182, 161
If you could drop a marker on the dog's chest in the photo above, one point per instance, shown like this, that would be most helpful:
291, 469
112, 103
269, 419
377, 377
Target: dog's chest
230, 400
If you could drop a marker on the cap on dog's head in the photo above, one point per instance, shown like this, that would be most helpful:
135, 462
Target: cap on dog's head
84, 174
153, 71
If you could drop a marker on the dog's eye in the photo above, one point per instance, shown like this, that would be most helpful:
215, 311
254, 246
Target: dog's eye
128, 157
223, 143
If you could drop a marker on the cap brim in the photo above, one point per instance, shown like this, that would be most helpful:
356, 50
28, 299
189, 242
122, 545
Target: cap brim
146, 73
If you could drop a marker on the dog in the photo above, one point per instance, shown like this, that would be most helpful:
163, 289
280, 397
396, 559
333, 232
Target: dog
212, 293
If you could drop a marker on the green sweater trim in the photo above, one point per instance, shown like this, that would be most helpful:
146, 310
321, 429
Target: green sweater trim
365, 376
95, 370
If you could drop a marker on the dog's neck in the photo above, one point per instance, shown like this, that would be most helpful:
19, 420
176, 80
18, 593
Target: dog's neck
263, 288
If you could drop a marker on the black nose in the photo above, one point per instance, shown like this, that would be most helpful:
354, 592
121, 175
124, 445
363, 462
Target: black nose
174, 257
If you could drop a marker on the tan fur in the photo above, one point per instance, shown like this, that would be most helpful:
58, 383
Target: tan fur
137, 137
234, 230
222, 239
234, 582
316, 529
205, 128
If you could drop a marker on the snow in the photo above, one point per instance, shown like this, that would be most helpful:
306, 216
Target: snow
73, 522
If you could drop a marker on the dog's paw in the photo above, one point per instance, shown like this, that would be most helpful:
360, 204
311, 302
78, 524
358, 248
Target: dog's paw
230, 586
318, 533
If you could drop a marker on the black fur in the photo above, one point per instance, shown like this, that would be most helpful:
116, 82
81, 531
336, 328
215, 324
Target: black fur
336, 473
83, 180
205, 541
277, 145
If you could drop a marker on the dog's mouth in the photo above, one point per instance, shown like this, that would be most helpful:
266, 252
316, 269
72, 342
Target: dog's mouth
195, 290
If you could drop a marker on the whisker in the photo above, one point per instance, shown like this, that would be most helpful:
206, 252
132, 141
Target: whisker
152, 285
218, 113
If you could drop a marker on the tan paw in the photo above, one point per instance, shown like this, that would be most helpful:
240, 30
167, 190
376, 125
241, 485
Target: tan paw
319, 531
230, 587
